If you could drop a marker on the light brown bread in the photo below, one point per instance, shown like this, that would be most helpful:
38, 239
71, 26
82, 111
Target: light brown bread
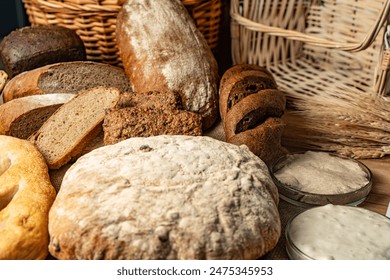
165, 197
23, 116
65, 134
66, 77
26, 196
31, 47
162, 49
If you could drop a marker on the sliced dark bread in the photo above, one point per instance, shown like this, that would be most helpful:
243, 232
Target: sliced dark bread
66, 133
23, 116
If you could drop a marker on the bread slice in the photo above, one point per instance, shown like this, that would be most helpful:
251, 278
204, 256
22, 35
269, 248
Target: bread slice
66, 77
23, 116
149, 114
64, 135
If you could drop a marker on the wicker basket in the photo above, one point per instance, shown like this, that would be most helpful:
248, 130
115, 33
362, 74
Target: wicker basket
331, 58
95, 22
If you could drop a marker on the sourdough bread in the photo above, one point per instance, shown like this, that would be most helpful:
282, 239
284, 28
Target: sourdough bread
149, 114
31, 47
66, 77
65, 133
23, 116
165, 197
162, 49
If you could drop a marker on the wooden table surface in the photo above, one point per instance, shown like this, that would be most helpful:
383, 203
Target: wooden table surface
379, 197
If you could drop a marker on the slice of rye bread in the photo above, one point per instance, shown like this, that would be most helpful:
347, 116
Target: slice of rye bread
241, 85
149, 114
254, 110
66, 77
264, 140
23, 116
64, 135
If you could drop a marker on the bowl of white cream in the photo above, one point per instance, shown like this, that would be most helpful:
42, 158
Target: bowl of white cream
338, 232
318, 178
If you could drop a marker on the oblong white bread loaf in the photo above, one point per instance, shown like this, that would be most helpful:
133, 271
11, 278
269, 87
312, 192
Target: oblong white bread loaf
162, 49
165, 197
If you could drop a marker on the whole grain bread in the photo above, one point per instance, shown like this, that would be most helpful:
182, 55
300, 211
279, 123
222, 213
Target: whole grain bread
66, 77
149, 114
31, 47
23, 116
165, 197
65, 134
162, 49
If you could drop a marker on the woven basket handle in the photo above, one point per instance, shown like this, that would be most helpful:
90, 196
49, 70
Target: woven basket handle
312, 40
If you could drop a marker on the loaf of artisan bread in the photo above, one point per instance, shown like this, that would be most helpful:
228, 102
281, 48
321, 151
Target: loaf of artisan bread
251, 108
162, 49
149, 113
64, 134
165, 197
66, 77
26, 195
23, 116
31, 47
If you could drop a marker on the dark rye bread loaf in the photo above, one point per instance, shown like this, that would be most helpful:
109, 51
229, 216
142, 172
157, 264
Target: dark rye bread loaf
31, 47
162, 49
251, 107
242, 84
66, 77
149, 114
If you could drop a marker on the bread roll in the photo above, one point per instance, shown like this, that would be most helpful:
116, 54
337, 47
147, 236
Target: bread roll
165, 197
31, 47
162, 49
26, 196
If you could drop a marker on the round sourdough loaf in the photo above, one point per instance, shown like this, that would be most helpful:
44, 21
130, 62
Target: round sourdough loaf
165, 197
26, 196
162, 49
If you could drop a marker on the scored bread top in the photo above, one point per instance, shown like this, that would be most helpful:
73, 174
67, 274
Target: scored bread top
64, 135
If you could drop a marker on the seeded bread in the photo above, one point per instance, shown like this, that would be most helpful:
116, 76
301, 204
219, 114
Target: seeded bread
149, 114
31, 47
162, 49
65, 134
165, 197
66, 77
23, 116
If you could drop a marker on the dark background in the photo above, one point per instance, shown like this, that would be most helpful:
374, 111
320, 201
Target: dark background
13, 16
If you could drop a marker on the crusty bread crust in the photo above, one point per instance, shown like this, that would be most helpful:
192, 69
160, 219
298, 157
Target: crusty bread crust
165, 197
26, 196
162, 49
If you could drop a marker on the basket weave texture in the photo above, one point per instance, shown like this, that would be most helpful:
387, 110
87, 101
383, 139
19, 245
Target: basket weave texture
95, 22
331, 58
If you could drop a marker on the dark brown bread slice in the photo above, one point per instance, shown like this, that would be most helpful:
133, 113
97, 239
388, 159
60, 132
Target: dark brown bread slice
238, 68
31, 47
241, 85
263, 140
254, 110
66, 133
66, 77
23, 116
149, 114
